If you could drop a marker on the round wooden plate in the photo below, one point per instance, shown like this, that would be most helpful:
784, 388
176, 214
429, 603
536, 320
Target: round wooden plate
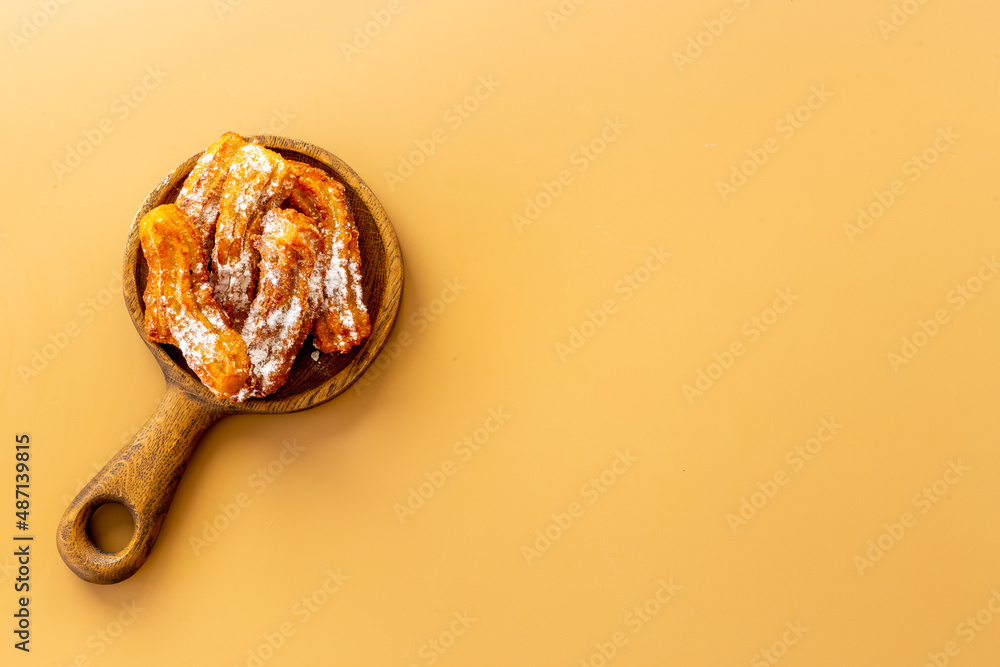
145, 474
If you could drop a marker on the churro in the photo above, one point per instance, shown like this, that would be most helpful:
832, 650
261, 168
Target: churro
342, 319
283, 311
258, 180
180, 309
202, 190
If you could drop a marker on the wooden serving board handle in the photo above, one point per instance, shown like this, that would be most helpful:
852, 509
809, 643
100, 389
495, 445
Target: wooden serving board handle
143, 477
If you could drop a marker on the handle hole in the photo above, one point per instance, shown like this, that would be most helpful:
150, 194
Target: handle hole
111, 527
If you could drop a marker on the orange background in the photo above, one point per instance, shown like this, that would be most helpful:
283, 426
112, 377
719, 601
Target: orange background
696, 362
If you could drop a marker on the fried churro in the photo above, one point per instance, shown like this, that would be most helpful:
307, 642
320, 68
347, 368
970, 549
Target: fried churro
258, 180
342, 319
283, 311
202, 190
180, 309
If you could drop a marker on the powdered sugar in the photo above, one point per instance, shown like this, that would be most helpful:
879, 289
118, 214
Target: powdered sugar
283, 310
200, 194
236, 188
192, 336
256, 178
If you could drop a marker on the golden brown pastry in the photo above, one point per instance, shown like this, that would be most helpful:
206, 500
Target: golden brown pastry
202, 190
342, 319
180, 309
276, 274
258, 180
283, 311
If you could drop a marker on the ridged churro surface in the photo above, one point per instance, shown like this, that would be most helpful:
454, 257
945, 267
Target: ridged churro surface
342, 319
202, 190
180, 309
283, 311
258, 180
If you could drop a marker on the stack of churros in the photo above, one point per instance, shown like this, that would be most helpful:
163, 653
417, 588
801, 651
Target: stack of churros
257, 253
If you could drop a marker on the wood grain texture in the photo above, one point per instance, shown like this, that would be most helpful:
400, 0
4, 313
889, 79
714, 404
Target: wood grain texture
145, 474
143, 477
